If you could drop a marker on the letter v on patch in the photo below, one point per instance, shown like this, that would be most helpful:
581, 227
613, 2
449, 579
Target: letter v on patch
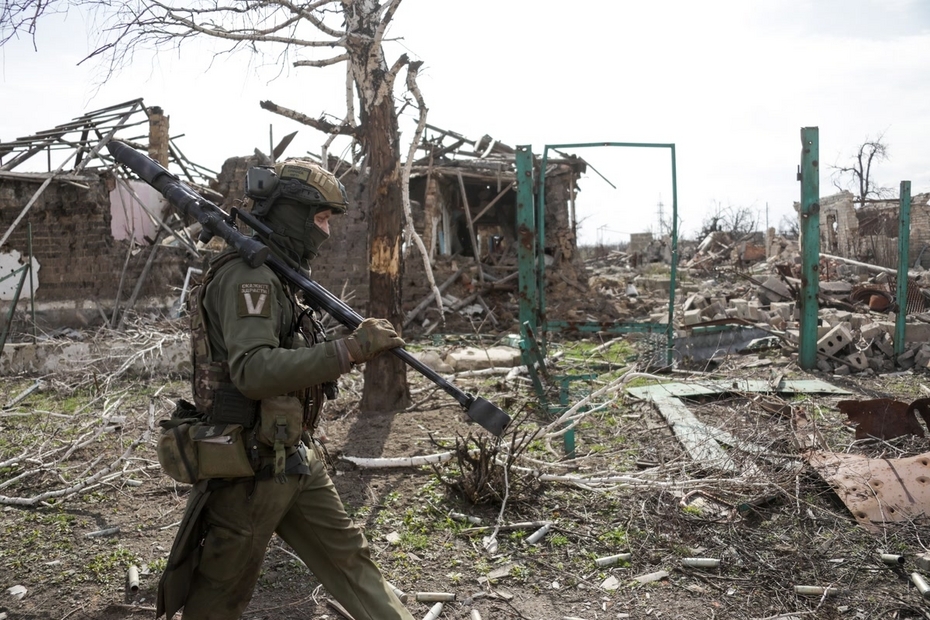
255, 300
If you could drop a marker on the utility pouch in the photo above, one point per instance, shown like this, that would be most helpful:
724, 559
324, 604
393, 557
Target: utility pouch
190, 450
281, 427
176, 451
221, 451
230, 406
177, 454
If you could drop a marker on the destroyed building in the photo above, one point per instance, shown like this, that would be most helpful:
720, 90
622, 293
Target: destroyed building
869, 232
90, 242
100, 240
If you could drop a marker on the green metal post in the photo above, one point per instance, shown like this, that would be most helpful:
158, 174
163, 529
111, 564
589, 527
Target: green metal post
809, 175
673, 276
904, 245
526, 236
543, 333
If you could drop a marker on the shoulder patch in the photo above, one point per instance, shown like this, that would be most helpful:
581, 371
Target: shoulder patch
255, 300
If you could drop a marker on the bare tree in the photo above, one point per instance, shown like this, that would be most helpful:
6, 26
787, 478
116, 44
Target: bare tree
789, 227
735, 221
314, 33
858, 176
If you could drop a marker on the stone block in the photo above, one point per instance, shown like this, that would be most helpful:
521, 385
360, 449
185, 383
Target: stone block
713, 310
922, 356
434, 361
913, 332
472, 358
835, 340
884, 345
784, 309
835, 288
858, 360
872, 330
742, 308
774, 289
692, 317
856, 321
753, 307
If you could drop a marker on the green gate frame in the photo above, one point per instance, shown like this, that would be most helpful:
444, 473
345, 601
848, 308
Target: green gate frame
531, 232
531, 236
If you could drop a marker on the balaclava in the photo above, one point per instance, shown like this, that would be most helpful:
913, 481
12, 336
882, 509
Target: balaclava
295, 232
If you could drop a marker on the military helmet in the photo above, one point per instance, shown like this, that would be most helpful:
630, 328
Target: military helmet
301, 180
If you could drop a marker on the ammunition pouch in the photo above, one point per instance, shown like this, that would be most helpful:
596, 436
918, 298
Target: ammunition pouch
190, 450
281, 427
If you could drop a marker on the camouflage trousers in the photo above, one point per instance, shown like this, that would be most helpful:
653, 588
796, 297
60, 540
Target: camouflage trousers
307, 513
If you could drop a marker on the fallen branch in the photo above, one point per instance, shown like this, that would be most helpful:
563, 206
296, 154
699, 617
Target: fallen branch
410, 461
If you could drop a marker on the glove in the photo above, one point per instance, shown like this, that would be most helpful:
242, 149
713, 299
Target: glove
371, 338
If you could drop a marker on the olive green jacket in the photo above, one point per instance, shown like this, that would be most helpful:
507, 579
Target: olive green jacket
249, 319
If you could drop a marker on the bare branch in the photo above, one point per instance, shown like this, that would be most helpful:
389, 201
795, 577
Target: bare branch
322, 125
391, 75
22, 16
385, 20
412, 71
335, 60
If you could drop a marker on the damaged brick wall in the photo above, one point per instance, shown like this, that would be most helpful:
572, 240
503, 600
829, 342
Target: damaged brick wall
79, 261
839, 227
870, 233
878, 232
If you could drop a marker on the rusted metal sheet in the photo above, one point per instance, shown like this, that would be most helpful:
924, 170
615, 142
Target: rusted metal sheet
877, 491
885, 418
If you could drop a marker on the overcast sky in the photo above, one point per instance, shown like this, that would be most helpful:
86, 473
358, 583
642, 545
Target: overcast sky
730, 83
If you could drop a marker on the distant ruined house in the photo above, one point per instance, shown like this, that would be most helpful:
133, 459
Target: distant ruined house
869, 233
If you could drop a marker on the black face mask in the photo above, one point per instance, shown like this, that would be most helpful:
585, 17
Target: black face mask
295, 231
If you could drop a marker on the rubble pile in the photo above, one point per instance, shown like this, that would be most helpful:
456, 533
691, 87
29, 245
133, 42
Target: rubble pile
857, 307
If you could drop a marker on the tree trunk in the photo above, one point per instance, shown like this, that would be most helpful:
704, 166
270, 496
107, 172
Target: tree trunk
385, 376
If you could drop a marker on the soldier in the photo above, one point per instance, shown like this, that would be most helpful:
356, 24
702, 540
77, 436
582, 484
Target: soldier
262, 370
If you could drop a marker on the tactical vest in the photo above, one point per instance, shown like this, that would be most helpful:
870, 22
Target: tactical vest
214, 394
211, 385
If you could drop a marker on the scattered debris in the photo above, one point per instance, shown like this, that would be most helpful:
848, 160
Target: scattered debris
877, 491
884, 418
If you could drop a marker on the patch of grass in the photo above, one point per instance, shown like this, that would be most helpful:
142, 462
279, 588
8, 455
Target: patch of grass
643, 381
520, 573
414, 541
106, 566
691, 510
617, 537
157, 566
558, 540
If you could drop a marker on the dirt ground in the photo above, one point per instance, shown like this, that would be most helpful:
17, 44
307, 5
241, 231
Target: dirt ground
772, 531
